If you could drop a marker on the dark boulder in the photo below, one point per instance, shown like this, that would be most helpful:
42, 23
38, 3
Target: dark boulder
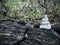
21, 22
36, 25
11, 32
41, 37
56, 28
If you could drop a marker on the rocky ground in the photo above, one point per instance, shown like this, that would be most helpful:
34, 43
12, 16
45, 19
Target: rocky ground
13, 33
41, 37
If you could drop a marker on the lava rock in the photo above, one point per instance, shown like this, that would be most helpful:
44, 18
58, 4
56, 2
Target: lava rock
41, 37
36, 25
57, 28
21, 22
11, 32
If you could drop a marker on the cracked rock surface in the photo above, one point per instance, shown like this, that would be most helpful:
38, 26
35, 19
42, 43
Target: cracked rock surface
12, 32
41, 37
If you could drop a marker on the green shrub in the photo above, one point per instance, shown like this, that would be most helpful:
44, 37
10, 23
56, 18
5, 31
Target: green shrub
24, 9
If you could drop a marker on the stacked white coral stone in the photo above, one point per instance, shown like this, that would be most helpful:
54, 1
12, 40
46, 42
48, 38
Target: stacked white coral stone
45, 23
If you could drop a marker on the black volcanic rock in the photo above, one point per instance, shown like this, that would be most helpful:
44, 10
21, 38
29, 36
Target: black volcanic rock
21, 22
11, 32
41, 37
37, 25
57, 28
